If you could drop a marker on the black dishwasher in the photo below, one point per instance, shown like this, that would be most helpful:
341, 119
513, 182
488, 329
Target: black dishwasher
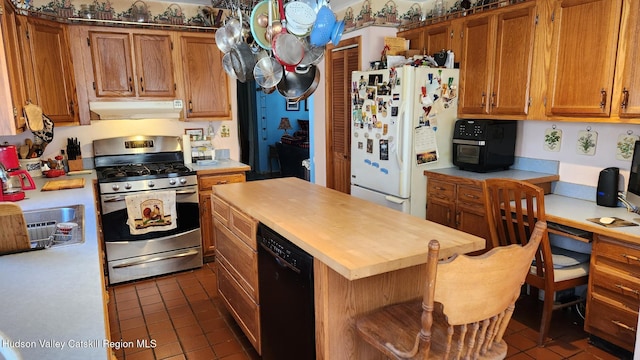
285, 280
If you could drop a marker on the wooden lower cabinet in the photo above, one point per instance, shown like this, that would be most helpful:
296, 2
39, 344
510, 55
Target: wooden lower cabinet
614, 285
237, 266
205, 181
457, 205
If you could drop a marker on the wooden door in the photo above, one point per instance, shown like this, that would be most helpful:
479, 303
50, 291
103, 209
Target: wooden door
341, 63
112, 64
51, 84
476, 65
583, 54
626, 101
205, 81
514, 58
154, 65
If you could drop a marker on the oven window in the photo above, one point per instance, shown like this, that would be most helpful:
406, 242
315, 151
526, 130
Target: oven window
468, 154
115, 228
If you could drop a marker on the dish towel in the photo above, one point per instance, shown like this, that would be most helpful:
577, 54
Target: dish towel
155, 211
34, 117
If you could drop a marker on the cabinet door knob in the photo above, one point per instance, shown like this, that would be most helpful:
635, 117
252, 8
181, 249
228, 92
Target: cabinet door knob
603, 99
625, 98
484, 99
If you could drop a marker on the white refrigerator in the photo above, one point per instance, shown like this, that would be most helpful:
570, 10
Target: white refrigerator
402, 122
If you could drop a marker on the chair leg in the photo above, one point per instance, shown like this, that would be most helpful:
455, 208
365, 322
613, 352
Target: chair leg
545, 322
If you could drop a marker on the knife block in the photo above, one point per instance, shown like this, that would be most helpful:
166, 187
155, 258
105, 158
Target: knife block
75, 165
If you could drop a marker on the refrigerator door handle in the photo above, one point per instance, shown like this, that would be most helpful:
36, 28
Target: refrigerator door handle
400, 138
394, 199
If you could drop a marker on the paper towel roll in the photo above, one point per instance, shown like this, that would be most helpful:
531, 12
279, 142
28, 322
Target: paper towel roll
186, 149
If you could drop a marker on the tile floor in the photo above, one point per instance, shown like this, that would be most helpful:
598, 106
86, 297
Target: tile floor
187, 319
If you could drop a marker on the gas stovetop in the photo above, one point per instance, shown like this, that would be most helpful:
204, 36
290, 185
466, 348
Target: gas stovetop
132, 172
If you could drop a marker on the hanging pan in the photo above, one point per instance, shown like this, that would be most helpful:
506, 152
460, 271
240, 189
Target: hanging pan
296, 86
287, 48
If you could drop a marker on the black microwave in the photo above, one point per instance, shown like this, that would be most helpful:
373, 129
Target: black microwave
484, 145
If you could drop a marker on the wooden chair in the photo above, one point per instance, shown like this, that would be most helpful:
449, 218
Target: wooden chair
14, 236
465, 309
510, 227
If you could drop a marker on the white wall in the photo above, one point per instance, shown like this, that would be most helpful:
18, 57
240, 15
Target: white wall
574, 167
101, 129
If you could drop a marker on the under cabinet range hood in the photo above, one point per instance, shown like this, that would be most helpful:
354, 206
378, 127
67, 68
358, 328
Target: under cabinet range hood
142, 109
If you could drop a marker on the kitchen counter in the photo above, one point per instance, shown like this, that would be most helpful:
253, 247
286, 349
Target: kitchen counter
53, 298
219, 166
575, 212
352, 236
365, 255
529, 176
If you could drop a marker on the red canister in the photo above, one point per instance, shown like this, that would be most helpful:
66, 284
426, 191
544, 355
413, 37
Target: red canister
9, 157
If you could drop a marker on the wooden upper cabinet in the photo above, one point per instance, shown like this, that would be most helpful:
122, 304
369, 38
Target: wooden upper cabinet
583, 56
48, 69
437, 38
497, 59
132, 65
415, 38
112, 65
434, 38
476, 65
154, 65
205, 81
513, 62
626, 95
12, 89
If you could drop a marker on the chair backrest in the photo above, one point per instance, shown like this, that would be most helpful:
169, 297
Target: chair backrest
525, 204
474, 288
13, 236
477, 293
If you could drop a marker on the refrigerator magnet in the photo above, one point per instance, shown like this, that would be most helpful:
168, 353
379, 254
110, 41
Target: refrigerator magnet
394, 111
370, 146
371, 92
384, 149
385, 129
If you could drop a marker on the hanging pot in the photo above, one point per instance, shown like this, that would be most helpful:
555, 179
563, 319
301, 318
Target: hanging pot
312, 54
259, 24
243, 61
296, 86
287, 48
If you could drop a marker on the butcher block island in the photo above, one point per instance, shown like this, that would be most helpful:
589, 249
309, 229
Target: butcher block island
364, 255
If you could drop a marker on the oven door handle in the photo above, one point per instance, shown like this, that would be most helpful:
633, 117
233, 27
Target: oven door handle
178, 192
159, 258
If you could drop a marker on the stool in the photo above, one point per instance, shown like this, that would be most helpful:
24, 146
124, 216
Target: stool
273, 154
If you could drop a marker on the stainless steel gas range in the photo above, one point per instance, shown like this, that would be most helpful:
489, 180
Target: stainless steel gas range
134, 165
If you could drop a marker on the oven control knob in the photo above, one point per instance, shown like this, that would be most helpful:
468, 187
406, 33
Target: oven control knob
151, 184
183, 181
172, 181
115, 187
127, 186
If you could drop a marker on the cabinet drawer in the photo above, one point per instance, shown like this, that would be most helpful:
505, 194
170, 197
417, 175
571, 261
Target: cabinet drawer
616, 254
238, 258
206, 182
221, 210
440, 190
611, 322
244, 310
470, 195
245, 227
617, 286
